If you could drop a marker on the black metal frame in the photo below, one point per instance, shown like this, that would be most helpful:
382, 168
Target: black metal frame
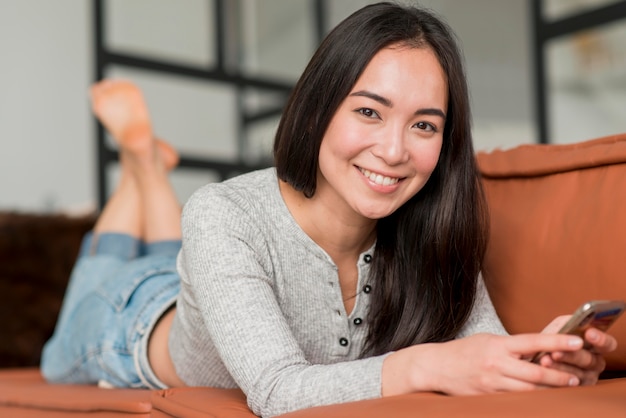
105, 57
544, 31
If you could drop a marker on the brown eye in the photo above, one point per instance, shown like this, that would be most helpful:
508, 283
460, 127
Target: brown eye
425, 126
367, 112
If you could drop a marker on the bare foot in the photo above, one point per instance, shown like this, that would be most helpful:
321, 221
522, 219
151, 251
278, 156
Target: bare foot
120, 107
167, 153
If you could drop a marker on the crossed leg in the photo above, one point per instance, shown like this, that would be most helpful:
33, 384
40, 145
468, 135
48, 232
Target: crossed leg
144, 204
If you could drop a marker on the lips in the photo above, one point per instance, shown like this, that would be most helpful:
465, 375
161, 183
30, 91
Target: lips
379, 178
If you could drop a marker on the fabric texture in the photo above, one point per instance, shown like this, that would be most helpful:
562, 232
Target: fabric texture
261, 307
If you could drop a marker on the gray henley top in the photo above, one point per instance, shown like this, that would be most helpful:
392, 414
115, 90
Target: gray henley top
261, 308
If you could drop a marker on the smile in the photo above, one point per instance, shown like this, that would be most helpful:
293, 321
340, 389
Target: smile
378, 178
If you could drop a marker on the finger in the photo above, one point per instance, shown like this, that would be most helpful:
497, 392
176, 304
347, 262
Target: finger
499, 384
538, 375
530, 344
509, 384
601, 342
585, 377
583, 359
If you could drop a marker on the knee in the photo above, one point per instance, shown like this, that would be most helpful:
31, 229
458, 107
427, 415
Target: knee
50, 362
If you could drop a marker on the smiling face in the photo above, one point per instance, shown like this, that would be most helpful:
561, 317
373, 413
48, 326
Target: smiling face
385, 138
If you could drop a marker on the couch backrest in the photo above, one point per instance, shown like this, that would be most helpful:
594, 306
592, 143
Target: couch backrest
558, 232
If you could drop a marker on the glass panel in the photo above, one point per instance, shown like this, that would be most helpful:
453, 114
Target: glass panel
587, 84
186, 181
559, 9
260, 141
198, 117
260, 133
255, 100
162, 29
277, 36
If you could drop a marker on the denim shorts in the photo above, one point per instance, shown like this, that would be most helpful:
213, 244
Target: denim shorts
118, 290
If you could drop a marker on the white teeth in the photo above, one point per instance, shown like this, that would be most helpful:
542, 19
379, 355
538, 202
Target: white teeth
379, 179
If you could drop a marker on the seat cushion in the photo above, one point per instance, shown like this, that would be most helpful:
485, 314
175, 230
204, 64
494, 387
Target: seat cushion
195, 402
605, 399
23, 392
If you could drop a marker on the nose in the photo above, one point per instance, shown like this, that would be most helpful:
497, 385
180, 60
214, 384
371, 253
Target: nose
391, 147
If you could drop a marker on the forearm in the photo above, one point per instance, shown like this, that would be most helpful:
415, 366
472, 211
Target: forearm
292, 388
408, 370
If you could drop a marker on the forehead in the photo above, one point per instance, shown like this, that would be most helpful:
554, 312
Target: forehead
405, 71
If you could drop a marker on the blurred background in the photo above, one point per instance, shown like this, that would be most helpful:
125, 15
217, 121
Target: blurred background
215, 74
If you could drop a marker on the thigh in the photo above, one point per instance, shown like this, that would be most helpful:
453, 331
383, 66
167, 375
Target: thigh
101, 336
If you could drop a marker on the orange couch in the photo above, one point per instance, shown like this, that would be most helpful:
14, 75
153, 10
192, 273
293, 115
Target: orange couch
558, 238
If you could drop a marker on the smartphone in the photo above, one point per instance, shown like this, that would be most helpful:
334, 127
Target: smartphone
598, 314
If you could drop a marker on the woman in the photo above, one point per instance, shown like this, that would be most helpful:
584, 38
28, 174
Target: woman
349, 271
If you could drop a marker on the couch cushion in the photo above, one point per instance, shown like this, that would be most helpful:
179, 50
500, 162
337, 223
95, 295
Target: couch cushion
24, 392
196, 402
558, 231
604, 400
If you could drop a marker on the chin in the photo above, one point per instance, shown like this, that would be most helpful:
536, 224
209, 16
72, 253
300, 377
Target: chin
376, 214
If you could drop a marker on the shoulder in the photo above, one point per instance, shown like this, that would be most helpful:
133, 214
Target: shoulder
240, 202
237, 193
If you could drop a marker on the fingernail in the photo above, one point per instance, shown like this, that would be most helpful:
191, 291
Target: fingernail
573, 381
592, 335
575, 342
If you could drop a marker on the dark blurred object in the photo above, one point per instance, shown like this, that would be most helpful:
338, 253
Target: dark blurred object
37, 253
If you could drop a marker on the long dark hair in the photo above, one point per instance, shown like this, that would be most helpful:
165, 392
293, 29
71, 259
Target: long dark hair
428, 252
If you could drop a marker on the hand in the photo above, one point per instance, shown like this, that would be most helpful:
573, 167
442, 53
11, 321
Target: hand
482, 363
586, 363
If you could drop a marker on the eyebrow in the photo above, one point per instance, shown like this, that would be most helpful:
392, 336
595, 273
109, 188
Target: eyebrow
387, 103
364, 93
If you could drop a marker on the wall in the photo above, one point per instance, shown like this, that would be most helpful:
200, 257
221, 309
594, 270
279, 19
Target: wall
47, 160
46, 152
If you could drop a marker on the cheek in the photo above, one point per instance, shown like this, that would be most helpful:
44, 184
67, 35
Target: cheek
342, 140
427, 156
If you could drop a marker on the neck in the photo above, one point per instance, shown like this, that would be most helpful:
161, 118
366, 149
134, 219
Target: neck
341, 235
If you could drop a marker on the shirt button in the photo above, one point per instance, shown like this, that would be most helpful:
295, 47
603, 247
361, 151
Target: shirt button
343, 342
357, 321
367, 258
367, 288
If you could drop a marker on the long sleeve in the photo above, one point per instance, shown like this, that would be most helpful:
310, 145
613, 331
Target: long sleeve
264, 304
